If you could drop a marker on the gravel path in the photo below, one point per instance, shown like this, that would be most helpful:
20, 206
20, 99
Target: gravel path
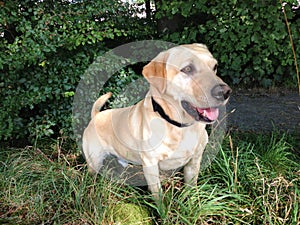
265, 111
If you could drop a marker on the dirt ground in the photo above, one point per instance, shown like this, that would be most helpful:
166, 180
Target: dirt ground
264, 111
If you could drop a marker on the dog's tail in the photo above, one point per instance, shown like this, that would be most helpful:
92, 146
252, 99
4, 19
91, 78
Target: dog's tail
99, 103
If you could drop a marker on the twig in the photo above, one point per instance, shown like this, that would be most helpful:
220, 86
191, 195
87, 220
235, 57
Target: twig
43, 154
235, 163
292, 43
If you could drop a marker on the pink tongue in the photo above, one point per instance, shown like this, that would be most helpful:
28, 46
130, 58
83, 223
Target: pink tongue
211, 113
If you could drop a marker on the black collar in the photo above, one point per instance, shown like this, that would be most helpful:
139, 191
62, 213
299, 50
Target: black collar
161, 112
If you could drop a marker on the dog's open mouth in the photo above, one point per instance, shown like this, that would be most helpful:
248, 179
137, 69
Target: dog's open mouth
207, 115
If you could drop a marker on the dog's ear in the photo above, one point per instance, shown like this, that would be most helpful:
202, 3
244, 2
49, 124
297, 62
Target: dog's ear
155, 72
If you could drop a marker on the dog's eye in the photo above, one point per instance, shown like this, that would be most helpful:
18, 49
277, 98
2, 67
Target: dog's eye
188, 69
215, 68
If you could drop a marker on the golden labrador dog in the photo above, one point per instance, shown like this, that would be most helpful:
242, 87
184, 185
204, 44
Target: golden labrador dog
166, 130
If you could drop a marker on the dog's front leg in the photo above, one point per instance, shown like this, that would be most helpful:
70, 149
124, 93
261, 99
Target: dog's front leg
151, 173
191, 171
192, 168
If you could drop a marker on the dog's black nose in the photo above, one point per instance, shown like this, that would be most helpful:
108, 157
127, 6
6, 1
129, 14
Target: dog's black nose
221, 92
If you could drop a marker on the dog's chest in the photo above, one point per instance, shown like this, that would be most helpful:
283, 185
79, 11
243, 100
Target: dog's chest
177, 151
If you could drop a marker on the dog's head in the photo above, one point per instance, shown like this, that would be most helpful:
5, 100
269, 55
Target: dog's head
188, 74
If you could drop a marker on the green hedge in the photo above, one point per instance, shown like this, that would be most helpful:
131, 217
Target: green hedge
47, 45
46, 48
249, 38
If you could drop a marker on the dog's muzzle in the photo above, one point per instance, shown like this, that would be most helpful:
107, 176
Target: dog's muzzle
208, 115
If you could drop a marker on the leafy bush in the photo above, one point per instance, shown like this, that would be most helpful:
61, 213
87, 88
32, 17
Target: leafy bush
249, 38
46, 47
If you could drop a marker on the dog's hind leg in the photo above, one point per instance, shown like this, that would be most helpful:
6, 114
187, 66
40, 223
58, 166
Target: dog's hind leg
95, 161
94, 156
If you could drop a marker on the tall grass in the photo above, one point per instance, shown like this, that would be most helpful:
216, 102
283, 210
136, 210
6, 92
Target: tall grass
254, 180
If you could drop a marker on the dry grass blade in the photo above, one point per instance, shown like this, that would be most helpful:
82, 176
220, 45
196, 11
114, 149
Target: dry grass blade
292, 44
